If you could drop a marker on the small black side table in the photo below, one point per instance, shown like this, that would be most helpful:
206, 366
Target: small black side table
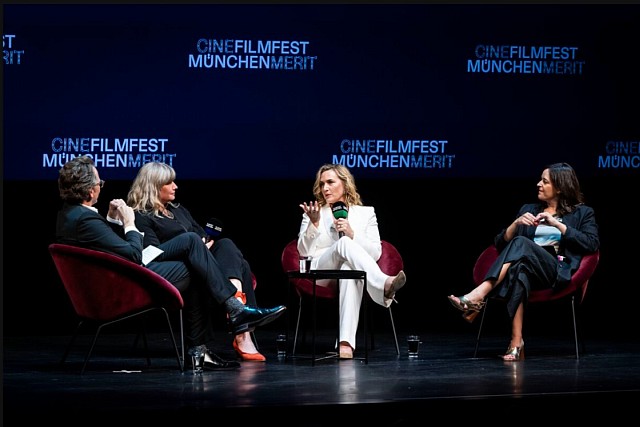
315, 275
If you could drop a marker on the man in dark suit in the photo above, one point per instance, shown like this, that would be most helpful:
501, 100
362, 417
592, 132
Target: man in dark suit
187, 262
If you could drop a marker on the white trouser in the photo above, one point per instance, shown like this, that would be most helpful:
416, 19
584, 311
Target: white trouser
346, 254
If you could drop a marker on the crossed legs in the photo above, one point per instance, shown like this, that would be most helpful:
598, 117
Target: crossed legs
473, 302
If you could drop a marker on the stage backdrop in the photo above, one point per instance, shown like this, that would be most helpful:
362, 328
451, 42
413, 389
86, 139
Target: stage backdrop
446, 114
271, 91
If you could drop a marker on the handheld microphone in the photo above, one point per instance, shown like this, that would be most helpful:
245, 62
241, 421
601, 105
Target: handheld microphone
339, 210
213, 228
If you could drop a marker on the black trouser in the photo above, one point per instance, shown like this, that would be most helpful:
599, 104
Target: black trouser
187, 263
532, 267
235, 266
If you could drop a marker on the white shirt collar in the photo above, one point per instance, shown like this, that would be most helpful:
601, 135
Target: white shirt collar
90, 207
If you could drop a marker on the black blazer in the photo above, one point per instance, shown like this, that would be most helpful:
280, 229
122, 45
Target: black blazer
159, 229
80, 226
580, 238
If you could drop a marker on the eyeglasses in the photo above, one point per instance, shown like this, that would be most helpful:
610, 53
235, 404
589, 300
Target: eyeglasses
101, 183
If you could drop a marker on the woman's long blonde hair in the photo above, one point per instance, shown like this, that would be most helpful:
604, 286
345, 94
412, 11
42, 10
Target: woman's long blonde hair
144, 192
351, 195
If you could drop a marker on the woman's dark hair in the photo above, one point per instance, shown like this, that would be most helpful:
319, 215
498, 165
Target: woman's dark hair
565, 181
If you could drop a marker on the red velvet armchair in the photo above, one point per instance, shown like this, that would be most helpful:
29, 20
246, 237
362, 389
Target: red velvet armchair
105, 289
576, 290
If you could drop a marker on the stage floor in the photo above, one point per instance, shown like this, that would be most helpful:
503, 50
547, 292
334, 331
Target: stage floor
444, 381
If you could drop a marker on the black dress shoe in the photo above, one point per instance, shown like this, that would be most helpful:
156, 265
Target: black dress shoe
213, 362
249, 318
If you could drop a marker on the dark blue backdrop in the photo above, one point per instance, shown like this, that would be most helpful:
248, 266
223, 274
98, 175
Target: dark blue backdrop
391, 73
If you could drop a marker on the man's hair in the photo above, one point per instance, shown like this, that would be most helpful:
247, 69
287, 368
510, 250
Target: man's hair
75, 180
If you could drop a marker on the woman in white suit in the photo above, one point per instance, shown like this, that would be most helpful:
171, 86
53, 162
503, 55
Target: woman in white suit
346, 241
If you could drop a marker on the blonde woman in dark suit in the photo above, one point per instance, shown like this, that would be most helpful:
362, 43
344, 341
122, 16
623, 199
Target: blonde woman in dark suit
152, 196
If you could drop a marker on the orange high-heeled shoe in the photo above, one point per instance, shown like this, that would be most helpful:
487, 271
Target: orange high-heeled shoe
514, 354
252, 357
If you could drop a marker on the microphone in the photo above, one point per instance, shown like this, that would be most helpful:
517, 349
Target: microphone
339, 210
213, 228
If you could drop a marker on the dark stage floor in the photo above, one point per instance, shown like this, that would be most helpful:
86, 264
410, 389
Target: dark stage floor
445, 381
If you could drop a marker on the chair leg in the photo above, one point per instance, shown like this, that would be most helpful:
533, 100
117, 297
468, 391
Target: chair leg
295, 338
145, 341
372, 333
95, 338
86, 359
372, 325
179, 352
393, 327
73, 339
372, 329
475, 353
182, 361
99, 329
143, 332
173, 340
575, 327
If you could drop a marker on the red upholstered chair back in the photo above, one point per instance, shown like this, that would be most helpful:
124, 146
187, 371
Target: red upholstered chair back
104, 287
390, 261
577, 286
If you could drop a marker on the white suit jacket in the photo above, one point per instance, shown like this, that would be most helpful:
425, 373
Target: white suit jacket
315, 241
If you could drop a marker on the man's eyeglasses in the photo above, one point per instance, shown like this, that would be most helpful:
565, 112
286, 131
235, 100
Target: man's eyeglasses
101, 183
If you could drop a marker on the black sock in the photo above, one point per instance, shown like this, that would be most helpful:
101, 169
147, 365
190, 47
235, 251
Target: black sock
233, 306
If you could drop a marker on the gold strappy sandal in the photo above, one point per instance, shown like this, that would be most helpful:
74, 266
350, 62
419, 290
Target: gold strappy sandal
470, 309
514, 354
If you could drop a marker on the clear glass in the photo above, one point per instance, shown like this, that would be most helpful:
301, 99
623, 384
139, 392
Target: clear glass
281, 345
305, 264
413, 342
197, 359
